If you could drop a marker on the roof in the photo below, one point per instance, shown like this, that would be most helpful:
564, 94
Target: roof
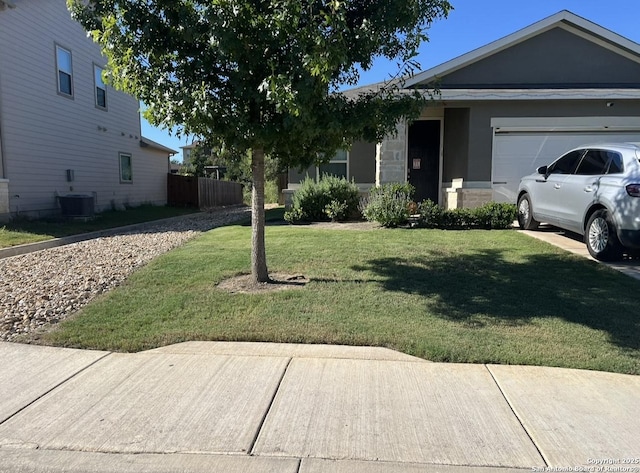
191, 146
147, 143
563, 19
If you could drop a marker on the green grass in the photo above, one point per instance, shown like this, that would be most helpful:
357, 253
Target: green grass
455, 296
23, 231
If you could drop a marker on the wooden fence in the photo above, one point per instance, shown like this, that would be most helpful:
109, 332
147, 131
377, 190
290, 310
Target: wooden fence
201, 192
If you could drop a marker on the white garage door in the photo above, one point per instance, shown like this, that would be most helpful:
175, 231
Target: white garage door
519, 151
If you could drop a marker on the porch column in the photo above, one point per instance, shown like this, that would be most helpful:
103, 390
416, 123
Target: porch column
391, 159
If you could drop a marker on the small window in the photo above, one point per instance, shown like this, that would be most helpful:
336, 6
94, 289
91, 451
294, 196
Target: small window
566, 164
338, 166
616, 165
593, 163
100, 88
126, 174
65, 71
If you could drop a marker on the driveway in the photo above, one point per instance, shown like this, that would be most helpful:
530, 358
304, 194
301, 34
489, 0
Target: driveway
573, 243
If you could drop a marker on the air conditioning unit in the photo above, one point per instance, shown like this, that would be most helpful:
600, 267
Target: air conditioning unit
77, 205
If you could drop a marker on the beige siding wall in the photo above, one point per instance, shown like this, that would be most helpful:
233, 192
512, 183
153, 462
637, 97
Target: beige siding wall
44, 133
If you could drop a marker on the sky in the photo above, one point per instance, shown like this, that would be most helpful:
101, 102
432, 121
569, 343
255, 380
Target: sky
475, 23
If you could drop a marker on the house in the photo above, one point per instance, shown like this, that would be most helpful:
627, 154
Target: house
503, 110
62, 130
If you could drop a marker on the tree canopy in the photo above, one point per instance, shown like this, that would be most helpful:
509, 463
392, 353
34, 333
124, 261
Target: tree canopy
263, 75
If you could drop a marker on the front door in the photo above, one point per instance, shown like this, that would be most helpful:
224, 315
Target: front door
423, 168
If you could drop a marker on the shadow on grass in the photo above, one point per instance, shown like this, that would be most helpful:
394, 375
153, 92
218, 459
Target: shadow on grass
488, 285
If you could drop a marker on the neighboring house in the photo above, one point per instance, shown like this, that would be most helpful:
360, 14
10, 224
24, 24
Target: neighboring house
62, 130
503, 110
186, 152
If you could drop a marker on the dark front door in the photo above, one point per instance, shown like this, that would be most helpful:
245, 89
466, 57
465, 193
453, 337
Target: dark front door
424, 159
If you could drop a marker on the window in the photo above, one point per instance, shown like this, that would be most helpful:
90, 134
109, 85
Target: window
65, 71
593, 163
338, 166
616, 165
566, 164
126, 174
100, 88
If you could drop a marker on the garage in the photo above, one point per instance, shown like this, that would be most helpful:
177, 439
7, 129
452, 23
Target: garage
520, 145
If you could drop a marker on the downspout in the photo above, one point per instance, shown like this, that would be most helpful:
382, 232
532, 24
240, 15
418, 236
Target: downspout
2, 168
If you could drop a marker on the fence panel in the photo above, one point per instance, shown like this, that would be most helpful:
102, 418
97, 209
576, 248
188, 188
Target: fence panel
214, 193
182, 191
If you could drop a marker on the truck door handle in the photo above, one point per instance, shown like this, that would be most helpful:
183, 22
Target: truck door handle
588, 189
556, 186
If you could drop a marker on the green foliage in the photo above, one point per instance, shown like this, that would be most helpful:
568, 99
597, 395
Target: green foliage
262, 74
331, 197
294, 215
492, 215
496, 215
200, 157
271, 193
430, 213
389, 204
336, 210
394, 187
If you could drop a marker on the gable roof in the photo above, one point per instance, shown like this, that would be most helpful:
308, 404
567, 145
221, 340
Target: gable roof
563, 19
147, 143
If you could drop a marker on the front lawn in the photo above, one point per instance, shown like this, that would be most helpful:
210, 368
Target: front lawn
457, 296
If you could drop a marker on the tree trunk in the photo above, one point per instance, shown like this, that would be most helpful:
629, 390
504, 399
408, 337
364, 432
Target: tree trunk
258, 252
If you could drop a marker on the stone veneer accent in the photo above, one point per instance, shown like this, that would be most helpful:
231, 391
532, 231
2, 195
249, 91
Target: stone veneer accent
391, 161
466, 198
4, 200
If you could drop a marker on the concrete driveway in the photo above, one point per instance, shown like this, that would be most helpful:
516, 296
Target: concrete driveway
573, 243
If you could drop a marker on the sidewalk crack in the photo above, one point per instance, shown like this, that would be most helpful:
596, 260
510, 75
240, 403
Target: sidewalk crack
526, 431
268, 410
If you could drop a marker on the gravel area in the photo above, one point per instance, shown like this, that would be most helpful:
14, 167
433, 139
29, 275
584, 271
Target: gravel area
41, 288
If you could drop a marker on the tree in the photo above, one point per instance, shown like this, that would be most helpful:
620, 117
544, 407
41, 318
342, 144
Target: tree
200, 158
263, 75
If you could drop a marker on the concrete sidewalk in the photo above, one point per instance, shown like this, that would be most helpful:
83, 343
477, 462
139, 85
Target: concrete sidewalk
257, 407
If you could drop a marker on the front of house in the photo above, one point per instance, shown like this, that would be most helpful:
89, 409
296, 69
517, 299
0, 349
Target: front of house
502, 111
62, 130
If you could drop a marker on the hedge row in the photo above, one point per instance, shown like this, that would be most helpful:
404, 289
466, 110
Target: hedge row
390, 205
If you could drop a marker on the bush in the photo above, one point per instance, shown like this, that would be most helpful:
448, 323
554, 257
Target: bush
431, 214
389, 205
493, 215
331, 197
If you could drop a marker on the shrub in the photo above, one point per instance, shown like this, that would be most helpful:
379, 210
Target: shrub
493, 215
335, 210
331, 197
431, 214
389, 205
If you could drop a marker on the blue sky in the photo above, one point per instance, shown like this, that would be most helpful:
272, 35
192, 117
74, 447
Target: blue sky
474, 23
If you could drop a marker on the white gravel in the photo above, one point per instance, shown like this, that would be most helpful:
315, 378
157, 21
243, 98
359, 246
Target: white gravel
44, 287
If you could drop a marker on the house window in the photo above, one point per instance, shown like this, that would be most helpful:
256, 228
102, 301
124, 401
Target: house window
126, 174
100, 88
65, 71
338, 166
